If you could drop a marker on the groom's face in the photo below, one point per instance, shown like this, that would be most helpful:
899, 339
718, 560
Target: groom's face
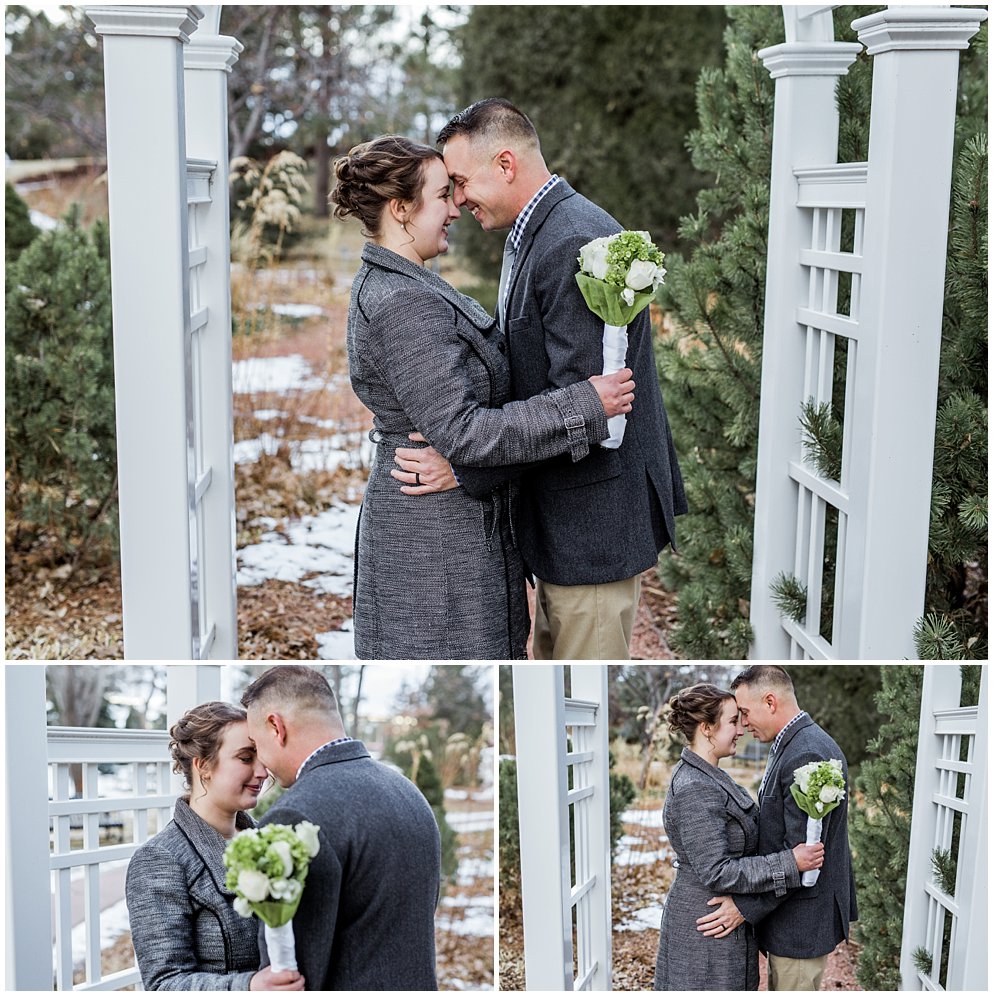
480, 182
756, 715
266, 739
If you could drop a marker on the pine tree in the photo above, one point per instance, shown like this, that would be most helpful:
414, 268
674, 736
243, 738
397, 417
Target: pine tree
60, 429
19, 233
880, 826
710, 362
710, 371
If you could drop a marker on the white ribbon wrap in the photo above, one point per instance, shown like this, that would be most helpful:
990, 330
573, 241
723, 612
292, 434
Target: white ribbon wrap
814, 828
615, 350
282, 947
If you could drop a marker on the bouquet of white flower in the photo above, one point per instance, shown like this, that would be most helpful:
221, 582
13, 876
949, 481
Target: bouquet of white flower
817, 788
619, 275
266, 871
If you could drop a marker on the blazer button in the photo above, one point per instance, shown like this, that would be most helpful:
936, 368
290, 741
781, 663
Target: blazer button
502, 346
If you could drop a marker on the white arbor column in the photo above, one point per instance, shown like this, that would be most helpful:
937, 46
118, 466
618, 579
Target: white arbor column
539, 717
28, 954
589, 682
914, 87
188, 685
805, 133
208, 60
146, 165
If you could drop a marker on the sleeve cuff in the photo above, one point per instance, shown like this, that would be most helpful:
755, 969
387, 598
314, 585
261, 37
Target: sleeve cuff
583, 415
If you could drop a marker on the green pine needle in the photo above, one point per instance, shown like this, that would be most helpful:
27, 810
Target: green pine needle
789, 596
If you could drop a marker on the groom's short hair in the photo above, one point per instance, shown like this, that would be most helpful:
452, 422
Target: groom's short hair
767, 677
491, 119
292, 685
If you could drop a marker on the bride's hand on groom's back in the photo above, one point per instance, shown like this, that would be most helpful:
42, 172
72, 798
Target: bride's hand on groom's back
266, 980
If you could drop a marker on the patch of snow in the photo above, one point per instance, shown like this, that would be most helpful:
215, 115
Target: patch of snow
643, 817
113, 922
470, 822
44, 222
648, 918
296, 310
274, 375
472, 868
315, 544
266, 414
338, 645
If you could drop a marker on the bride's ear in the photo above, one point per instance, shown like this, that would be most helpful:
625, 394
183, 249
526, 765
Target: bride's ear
399, 210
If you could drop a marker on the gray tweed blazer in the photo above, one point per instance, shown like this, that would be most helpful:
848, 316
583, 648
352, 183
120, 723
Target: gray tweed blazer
806, 922
366, 919
185, 931
607, 517
439, 576
712, 824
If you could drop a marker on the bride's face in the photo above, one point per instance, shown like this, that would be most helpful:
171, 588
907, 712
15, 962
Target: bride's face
237, 776
428, 225
725, 734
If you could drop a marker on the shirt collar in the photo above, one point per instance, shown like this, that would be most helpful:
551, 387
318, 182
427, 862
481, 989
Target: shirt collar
525, 216
782, 733
330, 743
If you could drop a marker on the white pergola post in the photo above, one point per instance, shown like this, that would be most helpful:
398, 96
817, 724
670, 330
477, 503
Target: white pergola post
208, 60
539, 717
589, 683
806, 69
146, 166
188, 685
914, 87
28, 901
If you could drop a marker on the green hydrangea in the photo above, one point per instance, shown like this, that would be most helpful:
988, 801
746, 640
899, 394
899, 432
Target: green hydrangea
623, 249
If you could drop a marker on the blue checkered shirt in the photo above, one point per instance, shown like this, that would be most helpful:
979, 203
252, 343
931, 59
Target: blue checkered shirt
330, 743
782, 733
525, 216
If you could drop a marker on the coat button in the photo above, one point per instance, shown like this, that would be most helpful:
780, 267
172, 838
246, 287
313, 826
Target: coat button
502, 346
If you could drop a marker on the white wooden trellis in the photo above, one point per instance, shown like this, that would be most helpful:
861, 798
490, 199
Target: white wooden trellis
950, 808
563, 770
39, 794
888, 344
165, 79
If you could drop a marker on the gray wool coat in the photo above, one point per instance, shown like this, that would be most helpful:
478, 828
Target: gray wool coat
366, 917
606, 517
438, 576
185, 931
806, 922
712, 824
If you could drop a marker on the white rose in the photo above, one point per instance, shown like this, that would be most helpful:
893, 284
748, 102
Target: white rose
627, 296
831, 793
593, 258
241, 907
803, 778
819, 806
282, 849
659, 278
308, 835
253, 885
641, 274
286, 889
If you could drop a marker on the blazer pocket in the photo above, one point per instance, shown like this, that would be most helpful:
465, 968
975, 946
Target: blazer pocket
600, 465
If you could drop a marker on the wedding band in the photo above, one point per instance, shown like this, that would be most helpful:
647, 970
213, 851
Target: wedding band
417, 478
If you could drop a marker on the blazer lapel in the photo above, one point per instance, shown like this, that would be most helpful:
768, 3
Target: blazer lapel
739, 796
385, 259
546, 205
207, 842
772, 770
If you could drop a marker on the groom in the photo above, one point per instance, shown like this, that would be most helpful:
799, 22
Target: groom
800, 929
366, 919
586, 530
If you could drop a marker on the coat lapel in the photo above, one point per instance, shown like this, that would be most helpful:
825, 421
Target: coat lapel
773, 769
560, 192
207, 842
385, 259
739, 796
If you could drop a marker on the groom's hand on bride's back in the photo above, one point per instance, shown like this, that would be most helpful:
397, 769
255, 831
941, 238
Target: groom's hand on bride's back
266, 980
423, 471
723, 920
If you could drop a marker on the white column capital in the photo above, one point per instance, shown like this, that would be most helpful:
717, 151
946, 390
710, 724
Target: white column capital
149, 22
218, 52
809, 58
918, 28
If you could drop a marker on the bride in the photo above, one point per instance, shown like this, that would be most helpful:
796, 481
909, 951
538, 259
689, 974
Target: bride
185, 931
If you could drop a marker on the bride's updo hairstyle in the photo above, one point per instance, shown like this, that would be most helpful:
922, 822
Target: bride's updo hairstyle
198, 734
701, 703
376, 172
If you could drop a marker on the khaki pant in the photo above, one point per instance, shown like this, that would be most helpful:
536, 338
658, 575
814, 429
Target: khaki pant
795, 974
585, 622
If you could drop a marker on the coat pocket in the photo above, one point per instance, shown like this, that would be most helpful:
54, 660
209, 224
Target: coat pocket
600, 465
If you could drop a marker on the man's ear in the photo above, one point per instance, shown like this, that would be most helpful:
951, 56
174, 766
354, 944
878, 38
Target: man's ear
771, 701
274, 722
506, 162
